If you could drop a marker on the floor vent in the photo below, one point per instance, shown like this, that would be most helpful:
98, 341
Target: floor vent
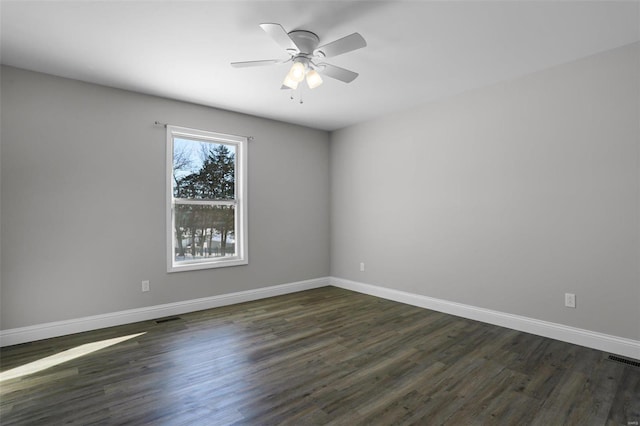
163, 320
624, 361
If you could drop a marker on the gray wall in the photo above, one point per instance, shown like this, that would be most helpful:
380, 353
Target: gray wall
83, 201
503, 198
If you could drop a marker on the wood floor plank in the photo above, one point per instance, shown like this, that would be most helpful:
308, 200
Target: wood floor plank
323, 356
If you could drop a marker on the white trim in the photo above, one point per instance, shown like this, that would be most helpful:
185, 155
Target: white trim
204, 202
205, 135
578, 336
590, 339
16, 336
241, 233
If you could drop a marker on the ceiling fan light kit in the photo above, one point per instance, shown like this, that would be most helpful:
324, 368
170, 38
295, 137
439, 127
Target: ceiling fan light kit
301, 70
313, 79
298, 70
290, 82
302, 48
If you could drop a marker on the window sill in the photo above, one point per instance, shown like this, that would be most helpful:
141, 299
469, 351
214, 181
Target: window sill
197, 265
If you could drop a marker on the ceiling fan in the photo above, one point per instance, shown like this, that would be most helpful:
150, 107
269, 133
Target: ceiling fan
304, 52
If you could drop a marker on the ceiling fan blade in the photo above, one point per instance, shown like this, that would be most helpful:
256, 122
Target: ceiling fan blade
257, 63
337, 73
279, 35
342, 45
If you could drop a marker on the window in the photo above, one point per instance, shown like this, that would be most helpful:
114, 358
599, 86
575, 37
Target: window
206, 190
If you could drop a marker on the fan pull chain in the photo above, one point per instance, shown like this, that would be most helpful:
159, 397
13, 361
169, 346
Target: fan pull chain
291, 97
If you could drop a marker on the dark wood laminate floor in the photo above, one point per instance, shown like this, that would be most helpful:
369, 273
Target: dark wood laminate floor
324, 356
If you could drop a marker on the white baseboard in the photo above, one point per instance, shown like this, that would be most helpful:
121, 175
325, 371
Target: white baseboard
604, 342
60, 328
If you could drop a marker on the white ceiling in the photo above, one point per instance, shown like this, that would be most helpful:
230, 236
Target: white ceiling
418, 51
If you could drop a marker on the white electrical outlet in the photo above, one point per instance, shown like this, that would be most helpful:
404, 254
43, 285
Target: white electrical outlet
361, 266
145, 285
570, 300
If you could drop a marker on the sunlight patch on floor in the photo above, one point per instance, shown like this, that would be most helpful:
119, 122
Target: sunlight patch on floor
68, 355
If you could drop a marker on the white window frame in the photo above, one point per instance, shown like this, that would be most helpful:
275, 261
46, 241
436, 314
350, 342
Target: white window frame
240, 201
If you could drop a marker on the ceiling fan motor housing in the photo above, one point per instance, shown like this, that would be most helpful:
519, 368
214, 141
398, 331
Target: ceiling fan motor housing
306, 41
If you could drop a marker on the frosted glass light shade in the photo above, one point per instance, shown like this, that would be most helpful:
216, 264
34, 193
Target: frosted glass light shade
313, 79
297, 71
290, 82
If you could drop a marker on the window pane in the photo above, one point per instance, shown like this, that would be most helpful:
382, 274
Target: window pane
203, 233
203, 170
206, 202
